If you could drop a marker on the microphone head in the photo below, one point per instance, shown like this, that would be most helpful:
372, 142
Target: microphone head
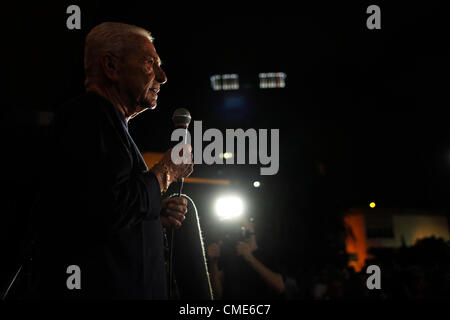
181, 118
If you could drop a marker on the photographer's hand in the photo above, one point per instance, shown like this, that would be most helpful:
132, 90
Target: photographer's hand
213, 251
243, 249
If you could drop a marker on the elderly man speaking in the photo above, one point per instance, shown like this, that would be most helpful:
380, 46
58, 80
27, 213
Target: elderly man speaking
100, 214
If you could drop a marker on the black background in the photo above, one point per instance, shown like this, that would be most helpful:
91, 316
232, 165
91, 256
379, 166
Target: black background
370, 105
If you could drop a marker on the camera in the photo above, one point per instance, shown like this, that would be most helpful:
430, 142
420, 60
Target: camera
233, 234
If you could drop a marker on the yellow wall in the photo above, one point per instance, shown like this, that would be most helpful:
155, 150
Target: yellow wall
410, 227
414, 227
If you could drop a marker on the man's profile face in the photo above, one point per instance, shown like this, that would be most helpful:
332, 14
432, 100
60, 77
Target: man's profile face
141, 74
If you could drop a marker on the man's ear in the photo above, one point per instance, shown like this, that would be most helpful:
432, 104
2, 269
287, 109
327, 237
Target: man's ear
110, 66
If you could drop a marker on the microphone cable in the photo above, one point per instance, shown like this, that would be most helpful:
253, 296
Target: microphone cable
172, 249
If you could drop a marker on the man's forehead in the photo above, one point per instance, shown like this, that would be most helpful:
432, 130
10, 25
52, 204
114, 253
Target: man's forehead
146, 48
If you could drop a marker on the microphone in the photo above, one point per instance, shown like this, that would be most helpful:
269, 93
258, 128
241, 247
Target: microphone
181, 119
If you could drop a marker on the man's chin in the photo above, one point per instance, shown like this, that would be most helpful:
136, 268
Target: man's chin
147, 105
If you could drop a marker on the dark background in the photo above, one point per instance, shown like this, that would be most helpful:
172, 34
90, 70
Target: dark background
369, 105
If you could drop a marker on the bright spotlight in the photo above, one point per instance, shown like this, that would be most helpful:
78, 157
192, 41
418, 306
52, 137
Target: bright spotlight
256, 184
229, 207
226, 155
372, 205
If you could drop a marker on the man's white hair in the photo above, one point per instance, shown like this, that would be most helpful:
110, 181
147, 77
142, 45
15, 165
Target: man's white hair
111, 37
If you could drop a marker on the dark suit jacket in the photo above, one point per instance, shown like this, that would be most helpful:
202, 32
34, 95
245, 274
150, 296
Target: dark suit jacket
98, 209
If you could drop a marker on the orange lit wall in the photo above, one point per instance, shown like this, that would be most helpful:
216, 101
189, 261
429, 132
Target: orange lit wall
355, 241
151, 158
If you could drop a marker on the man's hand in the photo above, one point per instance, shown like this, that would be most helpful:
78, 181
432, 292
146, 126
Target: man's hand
167, 172
243, 249
173, 212
213, 251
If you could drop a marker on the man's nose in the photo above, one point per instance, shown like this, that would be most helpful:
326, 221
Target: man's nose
160, 75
